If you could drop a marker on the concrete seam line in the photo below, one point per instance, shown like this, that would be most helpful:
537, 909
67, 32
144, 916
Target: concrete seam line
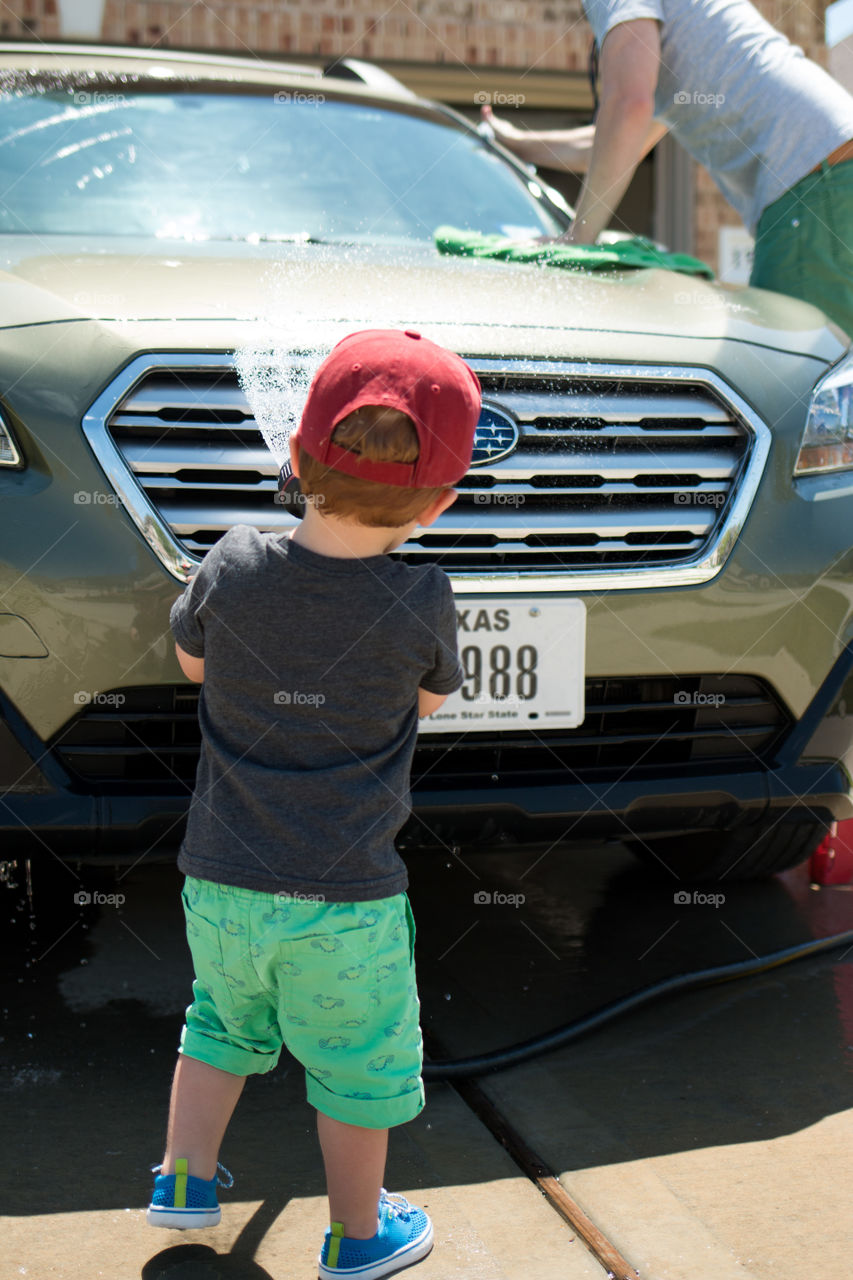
538, 1171
535, 1168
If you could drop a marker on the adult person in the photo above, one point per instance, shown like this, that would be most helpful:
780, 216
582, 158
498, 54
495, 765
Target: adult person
774, 130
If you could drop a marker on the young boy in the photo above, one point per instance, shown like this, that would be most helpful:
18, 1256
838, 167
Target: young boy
317, 654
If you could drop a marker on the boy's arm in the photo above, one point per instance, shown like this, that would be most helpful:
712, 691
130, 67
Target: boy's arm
429, 702
187, 612
446, 675
193, 668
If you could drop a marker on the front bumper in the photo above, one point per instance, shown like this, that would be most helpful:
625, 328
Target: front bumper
807, 777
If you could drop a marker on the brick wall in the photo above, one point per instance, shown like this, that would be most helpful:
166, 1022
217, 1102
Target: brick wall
480, 32
547, 35
24, 18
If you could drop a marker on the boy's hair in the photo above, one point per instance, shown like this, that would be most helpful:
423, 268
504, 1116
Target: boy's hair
382, 435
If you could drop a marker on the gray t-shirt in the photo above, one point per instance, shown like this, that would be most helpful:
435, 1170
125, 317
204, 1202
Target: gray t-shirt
744, 102
308, 712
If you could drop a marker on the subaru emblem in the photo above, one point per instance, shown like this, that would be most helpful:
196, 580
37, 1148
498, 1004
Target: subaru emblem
496, 436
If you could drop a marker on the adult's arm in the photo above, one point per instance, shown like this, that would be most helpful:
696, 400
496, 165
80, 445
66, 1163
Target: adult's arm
568, 150
630, 63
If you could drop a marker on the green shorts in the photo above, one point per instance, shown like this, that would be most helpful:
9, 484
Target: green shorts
332, 981
804, 245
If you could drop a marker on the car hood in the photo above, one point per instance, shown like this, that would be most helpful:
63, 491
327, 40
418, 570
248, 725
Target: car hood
57, 278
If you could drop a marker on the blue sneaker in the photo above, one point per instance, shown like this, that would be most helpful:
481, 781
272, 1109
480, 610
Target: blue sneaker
182, 1201
403, 1238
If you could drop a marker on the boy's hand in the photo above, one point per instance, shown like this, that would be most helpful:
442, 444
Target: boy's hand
193, 668
430, 702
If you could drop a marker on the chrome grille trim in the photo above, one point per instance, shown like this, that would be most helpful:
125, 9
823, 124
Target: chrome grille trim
693, 431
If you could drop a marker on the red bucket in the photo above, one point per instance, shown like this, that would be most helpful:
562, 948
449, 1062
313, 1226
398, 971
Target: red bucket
832, 860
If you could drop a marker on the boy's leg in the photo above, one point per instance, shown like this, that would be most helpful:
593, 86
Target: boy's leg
203, 1101
355, 1171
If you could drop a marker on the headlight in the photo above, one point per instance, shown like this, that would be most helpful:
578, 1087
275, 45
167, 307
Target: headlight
9, 456
827, 443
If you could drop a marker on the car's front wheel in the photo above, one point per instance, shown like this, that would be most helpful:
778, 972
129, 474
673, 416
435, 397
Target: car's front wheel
747, 853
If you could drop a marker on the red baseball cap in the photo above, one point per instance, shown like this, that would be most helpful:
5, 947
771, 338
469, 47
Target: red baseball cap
404, 371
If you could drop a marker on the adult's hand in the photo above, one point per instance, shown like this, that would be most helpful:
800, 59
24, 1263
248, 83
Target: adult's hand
515, 140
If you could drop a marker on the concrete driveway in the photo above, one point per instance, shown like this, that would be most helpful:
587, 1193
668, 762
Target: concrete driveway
709, 1135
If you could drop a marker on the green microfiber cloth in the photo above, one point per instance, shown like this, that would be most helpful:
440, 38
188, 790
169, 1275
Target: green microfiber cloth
637, 252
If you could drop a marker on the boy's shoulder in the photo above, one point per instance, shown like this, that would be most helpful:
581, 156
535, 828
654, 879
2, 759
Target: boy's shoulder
242, 542
417, 583
242, 548
246, 548
246, 545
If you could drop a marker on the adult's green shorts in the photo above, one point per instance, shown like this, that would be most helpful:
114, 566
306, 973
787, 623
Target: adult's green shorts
804, 243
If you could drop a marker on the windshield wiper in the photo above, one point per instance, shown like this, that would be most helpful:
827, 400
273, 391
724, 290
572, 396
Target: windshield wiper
284, 237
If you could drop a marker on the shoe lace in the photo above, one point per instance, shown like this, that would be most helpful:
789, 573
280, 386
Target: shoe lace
397, 1205
156, 1168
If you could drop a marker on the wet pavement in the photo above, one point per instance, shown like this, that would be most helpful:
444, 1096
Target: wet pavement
708, 1135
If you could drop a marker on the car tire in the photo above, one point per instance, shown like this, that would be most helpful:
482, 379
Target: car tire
742, 854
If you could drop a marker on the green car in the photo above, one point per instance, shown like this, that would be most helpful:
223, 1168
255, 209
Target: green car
651, 552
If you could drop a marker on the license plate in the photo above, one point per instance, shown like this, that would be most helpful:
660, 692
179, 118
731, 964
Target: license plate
523, 665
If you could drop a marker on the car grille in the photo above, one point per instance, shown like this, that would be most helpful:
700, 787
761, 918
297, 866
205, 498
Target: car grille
609, 471
151, 737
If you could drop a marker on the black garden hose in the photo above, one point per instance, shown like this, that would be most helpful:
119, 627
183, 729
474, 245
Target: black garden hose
514, 1054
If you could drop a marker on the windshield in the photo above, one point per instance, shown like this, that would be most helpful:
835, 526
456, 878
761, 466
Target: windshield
214, 166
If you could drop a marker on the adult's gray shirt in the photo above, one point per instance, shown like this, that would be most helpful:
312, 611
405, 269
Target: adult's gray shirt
744, 102
308, 712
